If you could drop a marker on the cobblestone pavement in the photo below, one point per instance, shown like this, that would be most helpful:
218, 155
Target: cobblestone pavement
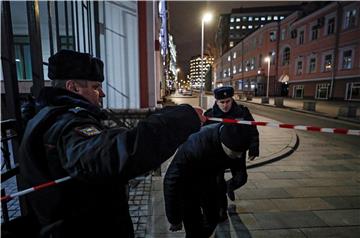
139, 198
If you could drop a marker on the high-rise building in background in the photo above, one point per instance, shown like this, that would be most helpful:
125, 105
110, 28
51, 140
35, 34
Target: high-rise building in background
195, 70
233, 27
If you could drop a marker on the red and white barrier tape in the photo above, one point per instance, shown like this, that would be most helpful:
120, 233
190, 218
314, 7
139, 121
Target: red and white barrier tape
289, 126
225, 120
32, 189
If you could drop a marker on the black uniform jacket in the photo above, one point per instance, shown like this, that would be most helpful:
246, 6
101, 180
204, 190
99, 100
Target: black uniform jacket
192, 173
240, 112
66, 138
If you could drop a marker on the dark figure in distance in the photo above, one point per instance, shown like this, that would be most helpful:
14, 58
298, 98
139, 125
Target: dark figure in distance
190, 192
66, 137
226, 107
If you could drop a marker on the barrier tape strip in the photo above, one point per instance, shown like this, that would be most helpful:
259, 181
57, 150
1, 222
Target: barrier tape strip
32, 189
288, 126
225, 120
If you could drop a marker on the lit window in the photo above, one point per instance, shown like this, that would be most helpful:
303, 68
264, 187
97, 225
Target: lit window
231, 44
347, 59
263, 18
234, 69
250, 18
282, 17
237, 27
256, 18
269, 18
350, 18
232, 19
237, 19
250, 26
328, 62
234, 55
276, 18
231, 28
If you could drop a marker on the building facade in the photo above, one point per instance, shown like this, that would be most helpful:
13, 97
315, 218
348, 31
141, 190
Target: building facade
126, 35
314, 56
196, 77
233, 27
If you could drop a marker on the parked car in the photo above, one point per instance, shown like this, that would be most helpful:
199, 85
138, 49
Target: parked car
187, 92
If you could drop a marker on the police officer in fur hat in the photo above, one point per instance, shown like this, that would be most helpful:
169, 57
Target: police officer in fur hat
226, 107
66, 137
190, 193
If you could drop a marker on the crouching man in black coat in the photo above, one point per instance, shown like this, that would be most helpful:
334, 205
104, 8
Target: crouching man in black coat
190, 182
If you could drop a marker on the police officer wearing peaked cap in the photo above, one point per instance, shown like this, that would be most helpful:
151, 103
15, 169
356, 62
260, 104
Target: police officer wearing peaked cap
66, 137
226, 107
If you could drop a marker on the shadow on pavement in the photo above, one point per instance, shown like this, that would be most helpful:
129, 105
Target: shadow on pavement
223, 230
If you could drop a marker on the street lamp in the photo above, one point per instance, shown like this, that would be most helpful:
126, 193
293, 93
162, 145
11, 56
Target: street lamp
267, 59
206, 18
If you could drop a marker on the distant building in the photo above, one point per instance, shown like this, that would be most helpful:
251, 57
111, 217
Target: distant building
312, 56
171, 80
195, 70
233, 27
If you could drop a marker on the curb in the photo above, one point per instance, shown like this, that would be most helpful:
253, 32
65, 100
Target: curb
288, 150
320, 114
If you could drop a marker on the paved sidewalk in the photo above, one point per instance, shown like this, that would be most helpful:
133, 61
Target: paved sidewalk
274, 144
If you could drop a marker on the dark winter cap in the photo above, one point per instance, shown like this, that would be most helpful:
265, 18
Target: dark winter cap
223, 92
68, 64
235, 137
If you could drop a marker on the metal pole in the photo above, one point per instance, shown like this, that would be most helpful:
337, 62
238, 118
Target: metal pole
202, 63
268, 76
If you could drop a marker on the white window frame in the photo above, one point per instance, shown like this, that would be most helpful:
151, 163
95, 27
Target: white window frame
297, 71
312, 25
342, 50
350, 8
298, 87
302, 29
349, 89
327, 19
283, 55
324, 54
321, 86
309, 62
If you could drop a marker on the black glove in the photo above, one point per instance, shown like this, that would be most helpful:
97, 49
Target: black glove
231, 195
175, 227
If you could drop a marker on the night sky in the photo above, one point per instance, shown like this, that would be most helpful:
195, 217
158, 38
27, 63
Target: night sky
185, 24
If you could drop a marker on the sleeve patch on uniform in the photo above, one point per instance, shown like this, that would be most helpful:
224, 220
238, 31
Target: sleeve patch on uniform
88, 131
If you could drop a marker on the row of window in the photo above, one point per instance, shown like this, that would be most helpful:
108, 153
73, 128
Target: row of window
322, 91
259, 18
346, 62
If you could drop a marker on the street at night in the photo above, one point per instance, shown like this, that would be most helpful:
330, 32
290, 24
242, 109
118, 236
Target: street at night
172, 119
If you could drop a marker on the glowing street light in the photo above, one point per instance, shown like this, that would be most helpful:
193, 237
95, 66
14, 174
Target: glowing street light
267, 59
206, 18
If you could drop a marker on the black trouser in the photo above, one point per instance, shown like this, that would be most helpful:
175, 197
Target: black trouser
201, 213
221, 191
